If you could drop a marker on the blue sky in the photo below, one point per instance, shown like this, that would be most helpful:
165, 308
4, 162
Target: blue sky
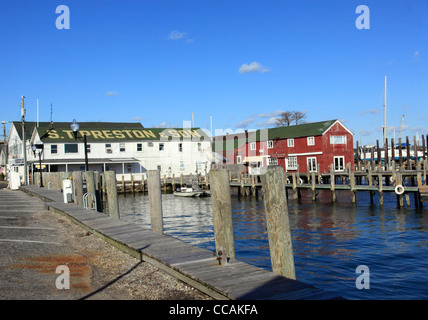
240, 62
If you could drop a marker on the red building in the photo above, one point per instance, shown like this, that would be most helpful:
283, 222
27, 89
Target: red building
306, 147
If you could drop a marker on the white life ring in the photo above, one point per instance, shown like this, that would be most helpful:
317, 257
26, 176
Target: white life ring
399, 189
391, 179
300, 180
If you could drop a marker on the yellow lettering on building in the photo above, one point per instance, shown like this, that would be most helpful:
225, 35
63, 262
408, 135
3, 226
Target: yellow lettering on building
138, 133
108, 134
69, 133
195, 133
128, 132
118, 134
85, 132
174, 133
53, 135
97, 134
149, 134
184, 133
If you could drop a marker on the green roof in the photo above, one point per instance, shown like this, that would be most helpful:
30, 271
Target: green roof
296, 131
115, 132
301, 130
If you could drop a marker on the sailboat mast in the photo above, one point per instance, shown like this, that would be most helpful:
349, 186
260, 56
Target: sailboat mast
384, 114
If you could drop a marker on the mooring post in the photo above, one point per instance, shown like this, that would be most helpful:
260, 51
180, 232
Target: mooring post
155, 201
352, 185
111, 188
400, 198
90, 182
380, 178
332, 184
222, 214
78, 188
295, 194
314, 194
278, 225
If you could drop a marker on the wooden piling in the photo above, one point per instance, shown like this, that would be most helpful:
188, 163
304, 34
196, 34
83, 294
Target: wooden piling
380, 178
155, 200
314, 192
408, 153
222, 214
278, 226
111, 189
332, 184
295, 194
352, 186
78, 188
90, 183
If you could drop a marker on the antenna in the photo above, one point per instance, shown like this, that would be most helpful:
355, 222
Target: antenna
384, 114
37, 111
51, 124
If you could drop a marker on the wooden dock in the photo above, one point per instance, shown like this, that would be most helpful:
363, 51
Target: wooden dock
195, 266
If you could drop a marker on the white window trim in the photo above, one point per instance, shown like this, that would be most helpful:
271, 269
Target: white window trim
334, 163
238, 159
311, 141
332, 140
253, 146
270, 144
290, 142
316, 163
288, 167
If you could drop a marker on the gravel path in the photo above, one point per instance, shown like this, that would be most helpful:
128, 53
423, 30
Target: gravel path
35, 242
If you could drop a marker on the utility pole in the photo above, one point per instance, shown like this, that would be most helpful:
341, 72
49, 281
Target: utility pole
24, 138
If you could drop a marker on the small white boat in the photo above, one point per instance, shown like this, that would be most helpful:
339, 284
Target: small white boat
190, 191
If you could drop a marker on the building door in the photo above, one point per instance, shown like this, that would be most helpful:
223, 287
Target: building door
311, 164
339, 163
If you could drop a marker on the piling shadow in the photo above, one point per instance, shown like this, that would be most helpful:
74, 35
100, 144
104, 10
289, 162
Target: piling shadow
114, 280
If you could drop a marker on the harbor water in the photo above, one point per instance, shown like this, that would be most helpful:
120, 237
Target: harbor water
330, 240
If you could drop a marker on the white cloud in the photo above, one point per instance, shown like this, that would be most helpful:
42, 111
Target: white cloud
271, 122
177, 35
112, 93
253, 67
270, 114
371, 111
416, 54
137, 119
245, 123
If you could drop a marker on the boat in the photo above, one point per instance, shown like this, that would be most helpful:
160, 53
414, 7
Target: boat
190, 191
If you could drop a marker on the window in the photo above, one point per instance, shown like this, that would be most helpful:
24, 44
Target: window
160, 168
199, 146
337, 139
312, 164
122, 147
139, 147
54, 149
70, 148
182, 165
292, 163
161, 147
273, 161
238, 159
270, 144
88, 148
180, 147
252, 146
339, 163
290, 143
108, 148
311, 141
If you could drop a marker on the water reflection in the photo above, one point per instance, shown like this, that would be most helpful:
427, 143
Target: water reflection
329, 240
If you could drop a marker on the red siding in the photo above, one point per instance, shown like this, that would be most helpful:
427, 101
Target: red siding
322, 145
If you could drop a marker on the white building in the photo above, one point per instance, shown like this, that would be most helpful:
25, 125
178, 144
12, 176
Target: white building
122, 147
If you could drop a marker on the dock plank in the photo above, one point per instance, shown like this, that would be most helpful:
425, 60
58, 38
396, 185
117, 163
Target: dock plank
196, 266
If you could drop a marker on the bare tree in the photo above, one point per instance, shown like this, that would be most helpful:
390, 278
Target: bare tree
299, 117
288, 117
284, 119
